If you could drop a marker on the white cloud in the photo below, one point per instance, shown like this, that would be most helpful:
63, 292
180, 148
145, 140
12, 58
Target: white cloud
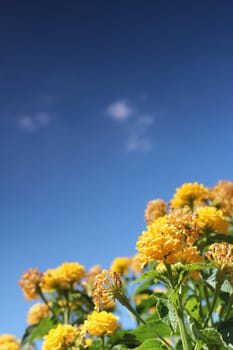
139, 139
35, 122
119, 110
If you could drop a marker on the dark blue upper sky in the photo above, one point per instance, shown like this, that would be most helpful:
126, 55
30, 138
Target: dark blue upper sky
104, 105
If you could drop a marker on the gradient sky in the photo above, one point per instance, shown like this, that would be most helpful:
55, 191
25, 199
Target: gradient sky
104, 105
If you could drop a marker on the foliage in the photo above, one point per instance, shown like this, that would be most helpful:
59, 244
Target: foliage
178, 287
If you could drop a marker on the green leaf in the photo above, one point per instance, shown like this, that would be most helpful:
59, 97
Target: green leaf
192, 305
172, 315
227, 287
42, 329
150, 344
226, 330
151, 275
197, 266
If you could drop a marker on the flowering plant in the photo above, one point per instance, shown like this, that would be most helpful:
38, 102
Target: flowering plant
178, 287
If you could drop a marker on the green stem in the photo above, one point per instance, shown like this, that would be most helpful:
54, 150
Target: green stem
180, 320
102, 342
125, 301
179, 311
216, 292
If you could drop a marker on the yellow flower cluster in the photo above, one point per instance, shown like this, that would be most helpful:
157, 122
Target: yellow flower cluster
9, 342
37, 313
154, 210
190, 194
221, 196
62, 277
101, 323
30, 282
210, 219
106, 285
221, 255
61, 337
167, 240
121, 265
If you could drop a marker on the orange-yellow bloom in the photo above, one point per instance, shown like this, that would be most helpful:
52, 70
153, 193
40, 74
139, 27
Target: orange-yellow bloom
61, 337
221, 196
121, 265
102, 323
210, 219
62, 277
190, 194
221, 255
9, 342
154, 210
37, 313
30, 282
107, 287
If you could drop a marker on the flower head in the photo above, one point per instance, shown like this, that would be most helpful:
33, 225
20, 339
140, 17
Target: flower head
210, 219
30, 282
37, 313
154, 210
9, 342
190, 194
61, 337
107, 287
159, 241
102, 323
121, 265
221, 255
62, 277
221, 196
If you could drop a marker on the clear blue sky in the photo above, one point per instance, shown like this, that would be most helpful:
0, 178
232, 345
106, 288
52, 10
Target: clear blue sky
104, 105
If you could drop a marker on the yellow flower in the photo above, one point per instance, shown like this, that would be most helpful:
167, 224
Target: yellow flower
159, 241
9, 342
102, 323
30, 282
37, 313
61, 337
136, 264
154, 210
221, 196
107, 287
210, 219
221, 254
62, 277
121, 265
190, 194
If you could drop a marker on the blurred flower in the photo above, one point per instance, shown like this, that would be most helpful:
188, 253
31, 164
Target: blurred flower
37, 313
120, 265
61, 337
107, 287
136, 264
102, 323
62, 277
30, 282
190, 194
210, 219
221, 196
154, 210
9, 342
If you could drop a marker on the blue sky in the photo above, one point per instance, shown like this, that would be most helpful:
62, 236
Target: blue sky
104, 106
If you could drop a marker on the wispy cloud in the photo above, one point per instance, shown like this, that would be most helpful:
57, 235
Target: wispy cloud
139, 139
138, 125
119, 110
35, 122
